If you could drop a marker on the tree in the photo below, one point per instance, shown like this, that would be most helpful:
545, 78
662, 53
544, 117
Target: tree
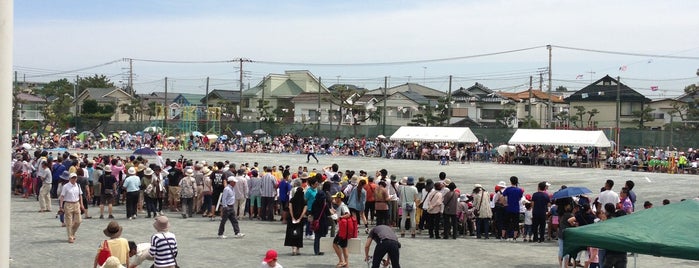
561, 89
431, 114
506, 118
134, 109
96, 81
565, 118
94, 115
691, 88
529, 122
591, 113
643, 116
345, 97
580, 113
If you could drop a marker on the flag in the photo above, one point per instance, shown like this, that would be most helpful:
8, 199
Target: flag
580, 76
622, 68
653, 88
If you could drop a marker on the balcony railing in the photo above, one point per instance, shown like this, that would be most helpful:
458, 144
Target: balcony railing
31, 115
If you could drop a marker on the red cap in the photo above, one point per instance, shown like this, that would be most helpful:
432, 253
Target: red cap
270, 256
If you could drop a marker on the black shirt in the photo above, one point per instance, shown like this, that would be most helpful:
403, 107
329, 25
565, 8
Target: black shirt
107, 181
174, 176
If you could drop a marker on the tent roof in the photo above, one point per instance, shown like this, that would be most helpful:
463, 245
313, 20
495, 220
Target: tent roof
641, 232
434, 134
560, 137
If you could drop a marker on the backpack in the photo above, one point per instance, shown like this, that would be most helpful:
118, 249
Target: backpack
348, 228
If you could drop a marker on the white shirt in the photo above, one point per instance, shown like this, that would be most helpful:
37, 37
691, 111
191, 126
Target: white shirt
142, 254
71, 192
265, 265
608, 196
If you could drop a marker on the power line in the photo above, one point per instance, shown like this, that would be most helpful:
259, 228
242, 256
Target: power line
628, 53
183, 61
399, 62
76, 70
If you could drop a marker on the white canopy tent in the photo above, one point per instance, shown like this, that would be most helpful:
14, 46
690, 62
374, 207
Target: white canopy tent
560, 137
435, 134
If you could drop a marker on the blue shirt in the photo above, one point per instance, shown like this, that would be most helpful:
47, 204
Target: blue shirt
132, 183
513, 194
284, 189
310, 196
228, 196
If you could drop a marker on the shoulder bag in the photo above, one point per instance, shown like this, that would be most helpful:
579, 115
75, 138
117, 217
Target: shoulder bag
104, 253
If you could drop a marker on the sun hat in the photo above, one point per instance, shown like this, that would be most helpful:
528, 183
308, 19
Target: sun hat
112, 262
189, 172
304, 175
113, 229
65, 175
421, 179
339, 195
232, 179
206, 171
132, 171
502, 184
271, 255
148, 172
161, 224
108, 168
73, 175
477, 185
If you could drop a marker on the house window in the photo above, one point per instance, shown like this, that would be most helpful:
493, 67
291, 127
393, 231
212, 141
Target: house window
335, 115
628, 108
404, 113
489, 113
459, 112
527, 108
658, 115
313, 115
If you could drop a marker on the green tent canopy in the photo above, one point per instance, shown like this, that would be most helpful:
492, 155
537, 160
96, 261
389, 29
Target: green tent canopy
666, 231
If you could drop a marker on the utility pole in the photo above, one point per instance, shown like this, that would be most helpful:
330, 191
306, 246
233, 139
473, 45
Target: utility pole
240, 94
529, 106
449, 103
131, 77
165, 108
541, 88
206, 103
385, 87
320, 79
75, 99
549, 114
618, 111
18, 108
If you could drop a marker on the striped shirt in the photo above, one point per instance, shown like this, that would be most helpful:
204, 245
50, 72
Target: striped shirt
163, 248
269, 186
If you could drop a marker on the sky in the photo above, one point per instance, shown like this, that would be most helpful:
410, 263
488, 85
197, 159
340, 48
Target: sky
361, 42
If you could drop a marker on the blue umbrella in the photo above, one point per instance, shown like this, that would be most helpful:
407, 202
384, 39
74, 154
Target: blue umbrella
570, 192
197, 134
223, 137
144, 151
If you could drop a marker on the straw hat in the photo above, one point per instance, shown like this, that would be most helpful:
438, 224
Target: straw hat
113, 229
112, 262
108, 168
161, 224
148, 172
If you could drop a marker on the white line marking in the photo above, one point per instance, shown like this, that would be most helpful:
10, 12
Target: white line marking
648, 179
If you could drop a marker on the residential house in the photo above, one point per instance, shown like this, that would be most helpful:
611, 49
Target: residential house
478, 105
219, 97
30, 107
158, 99
278, 90
305, 109
106, 96
430, 94
536, 101
664, 112
602, 95
188, 100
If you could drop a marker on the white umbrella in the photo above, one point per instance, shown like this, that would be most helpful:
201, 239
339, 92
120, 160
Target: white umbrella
104, 140
171, 138
70, 131
212, 137
381, 137
26, 146
238, 133
153, 129
259, 132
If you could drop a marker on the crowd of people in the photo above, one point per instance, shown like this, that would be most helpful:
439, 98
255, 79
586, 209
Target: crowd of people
312, 203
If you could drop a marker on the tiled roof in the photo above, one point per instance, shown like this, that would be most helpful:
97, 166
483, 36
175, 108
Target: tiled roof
420, 89
605, 89
538, 94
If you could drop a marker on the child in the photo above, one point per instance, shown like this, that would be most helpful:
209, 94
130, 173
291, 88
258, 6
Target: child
528, 223
340, 244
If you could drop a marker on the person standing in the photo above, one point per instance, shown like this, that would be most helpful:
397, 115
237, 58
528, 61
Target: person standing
381, 203
255, 190
44, 174
163, 244
451, 201
386, 243
228, 210
132, 184
608, 196
433, 203
149, 192
513, 195
173, 181
540, 203
85, 188
408, 200
241, 193
268, 190
187, 193
284, 195
296, 222
108, 191
71, 205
